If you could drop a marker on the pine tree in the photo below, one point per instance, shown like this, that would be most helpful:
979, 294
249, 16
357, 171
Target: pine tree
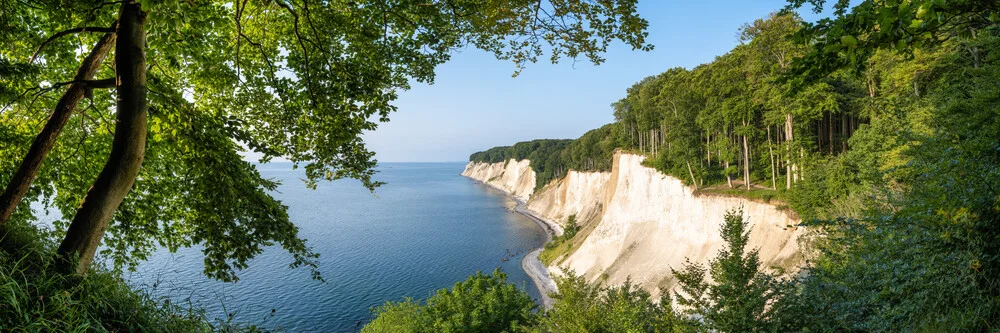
739, 295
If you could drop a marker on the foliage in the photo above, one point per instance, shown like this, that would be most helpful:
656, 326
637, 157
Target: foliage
482, 303
853, 35
560, 245
553, 159
583, 307
293, 79
571, 227
38, 300
925, 257
739, 297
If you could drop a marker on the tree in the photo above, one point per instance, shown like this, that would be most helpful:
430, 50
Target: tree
739, 297
296, 79
481, 303
584, 307
853, 35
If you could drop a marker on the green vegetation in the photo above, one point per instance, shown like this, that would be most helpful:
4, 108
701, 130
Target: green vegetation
36, 299
562, 244
542, 153
552, 159
148, 146
131, 118
879, 127
583, 307
482, 303
739, 297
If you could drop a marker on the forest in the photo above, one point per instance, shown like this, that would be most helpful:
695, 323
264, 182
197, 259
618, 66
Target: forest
879, 127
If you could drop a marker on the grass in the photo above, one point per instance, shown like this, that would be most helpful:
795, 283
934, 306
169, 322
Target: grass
755, 194
555, 251
563, 246
34, 298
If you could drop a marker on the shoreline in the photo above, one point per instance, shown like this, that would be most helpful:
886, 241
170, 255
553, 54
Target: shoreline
531, 265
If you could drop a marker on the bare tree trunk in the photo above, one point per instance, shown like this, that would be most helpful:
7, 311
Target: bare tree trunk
708, 148
830, 133
843, 132
792, 166
746, 162
127, 150
729, 179
652, 141
691, 173
46, 139
770, 153
819, 133
802, 157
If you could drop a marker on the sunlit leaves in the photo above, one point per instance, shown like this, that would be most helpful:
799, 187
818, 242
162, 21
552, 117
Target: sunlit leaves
294, 79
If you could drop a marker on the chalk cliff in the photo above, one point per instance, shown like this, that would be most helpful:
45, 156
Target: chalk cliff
513, 177
640, 223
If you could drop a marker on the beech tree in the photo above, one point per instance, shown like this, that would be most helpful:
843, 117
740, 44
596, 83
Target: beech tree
197, 84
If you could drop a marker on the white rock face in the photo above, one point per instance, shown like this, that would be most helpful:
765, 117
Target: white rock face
646, 222
579, 193
652, 222
514, 177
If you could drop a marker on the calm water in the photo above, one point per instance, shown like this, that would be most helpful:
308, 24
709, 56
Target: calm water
426, 229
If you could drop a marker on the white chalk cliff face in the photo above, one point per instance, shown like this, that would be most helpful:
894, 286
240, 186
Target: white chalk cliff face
513, 177
644, 222
579, 193
652, 222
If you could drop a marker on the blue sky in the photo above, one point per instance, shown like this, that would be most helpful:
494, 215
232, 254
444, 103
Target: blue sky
475, 104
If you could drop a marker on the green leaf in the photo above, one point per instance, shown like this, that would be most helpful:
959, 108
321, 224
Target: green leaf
849, 41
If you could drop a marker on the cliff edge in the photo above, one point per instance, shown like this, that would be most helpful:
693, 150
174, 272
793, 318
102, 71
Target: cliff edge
637, 222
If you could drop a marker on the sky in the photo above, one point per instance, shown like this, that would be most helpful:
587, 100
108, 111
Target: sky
475, 103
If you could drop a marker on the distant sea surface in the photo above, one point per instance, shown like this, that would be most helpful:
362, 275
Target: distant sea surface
426, 229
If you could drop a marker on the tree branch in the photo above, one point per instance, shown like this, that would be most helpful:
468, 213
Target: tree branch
67, 32
102, 83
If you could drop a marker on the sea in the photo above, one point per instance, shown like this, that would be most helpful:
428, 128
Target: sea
427, 228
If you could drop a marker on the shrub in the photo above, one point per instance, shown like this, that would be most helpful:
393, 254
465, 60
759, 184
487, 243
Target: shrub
36, 299
482, 303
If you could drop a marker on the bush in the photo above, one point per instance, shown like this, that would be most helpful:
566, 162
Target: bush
482, 303
583, 307
36, 299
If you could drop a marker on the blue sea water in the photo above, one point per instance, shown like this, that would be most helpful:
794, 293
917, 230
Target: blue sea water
426, 229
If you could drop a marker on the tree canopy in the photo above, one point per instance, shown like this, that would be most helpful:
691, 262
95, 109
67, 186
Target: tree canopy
292, 79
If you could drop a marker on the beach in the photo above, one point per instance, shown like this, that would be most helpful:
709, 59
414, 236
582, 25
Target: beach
532, 266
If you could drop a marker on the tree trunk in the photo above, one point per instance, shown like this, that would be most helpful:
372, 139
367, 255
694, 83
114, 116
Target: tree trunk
770, 153
729, 180
792, 167
708, 148
830, 133
46, 139
746, 162
843, 133
802, 157
819, 133
652, 142
127, 150
690, 172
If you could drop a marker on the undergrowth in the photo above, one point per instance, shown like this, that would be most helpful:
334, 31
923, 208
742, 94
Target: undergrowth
34, 298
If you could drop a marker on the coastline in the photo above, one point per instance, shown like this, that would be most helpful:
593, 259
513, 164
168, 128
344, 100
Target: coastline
531, 265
